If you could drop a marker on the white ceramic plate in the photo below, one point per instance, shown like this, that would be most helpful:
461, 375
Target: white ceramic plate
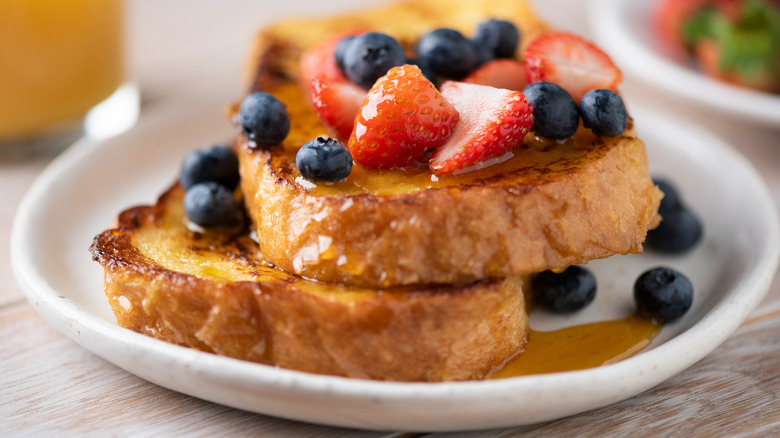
80, 193
624, 28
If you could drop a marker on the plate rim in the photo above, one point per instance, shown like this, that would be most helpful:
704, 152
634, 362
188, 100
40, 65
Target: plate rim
64, 313
606, 20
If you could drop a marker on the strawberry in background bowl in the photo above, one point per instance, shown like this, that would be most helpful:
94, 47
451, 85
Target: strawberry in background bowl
656, 54
736, 41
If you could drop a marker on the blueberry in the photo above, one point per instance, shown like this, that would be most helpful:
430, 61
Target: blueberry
663, 293
425, 68
368, 57
679, 231
555, 112
604, 112
217, 163
671, 200
341, 49
209, 204
499, 36
484, 53
264, 119
324, 159
449, 53
566, 292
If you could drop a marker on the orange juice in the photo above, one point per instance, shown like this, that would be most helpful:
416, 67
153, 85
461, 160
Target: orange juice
57, 60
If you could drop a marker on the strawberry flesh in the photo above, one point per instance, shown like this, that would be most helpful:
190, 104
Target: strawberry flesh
335, 99
500, 73
572, 62
336, 102
402, 117
670, 16
319, 61
493, 122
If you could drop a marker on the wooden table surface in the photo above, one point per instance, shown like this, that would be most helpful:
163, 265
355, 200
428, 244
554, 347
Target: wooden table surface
187, 49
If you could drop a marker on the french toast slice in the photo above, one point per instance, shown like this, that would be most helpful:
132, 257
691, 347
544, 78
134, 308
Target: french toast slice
547, 206
212, 290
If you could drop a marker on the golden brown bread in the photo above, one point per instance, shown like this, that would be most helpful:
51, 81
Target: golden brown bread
549, 206
213, 291
592, 202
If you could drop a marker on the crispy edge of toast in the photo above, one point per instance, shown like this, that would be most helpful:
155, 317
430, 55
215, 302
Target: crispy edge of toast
426, 334
453, 235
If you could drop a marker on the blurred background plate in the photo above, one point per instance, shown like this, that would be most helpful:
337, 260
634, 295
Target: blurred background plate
624, 29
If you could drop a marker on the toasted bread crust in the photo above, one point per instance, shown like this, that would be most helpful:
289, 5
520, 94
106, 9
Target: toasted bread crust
456, 234
255, 313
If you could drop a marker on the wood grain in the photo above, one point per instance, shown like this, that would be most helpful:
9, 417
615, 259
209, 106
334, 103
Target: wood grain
17, 172
57, 387
49, 386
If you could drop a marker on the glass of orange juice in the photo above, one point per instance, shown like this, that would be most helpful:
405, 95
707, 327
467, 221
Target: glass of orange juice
58, 61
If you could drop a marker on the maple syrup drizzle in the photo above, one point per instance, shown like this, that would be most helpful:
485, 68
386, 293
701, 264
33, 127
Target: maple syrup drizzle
581, 346
535, 161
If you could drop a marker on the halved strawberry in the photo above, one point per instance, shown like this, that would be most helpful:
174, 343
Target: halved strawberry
336, 102
335, 99
572, 62
402, 116
493, 122
670, 15
499, 73
319, 61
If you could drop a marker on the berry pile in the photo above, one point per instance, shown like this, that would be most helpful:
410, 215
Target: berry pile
389, 112
387, 109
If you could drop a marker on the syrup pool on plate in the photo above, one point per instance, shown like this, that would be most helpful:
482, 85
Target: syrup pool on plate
581, 346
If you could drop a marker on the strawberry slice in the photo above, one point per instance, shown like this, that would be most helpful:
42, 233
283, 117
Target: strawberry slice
493, 122
572, 62
319, 61
500, 73
402, 117
336, 102
670, 15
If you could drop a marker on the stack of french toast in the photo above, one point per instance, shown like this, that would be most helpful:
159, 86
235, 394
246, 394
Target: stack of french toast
399, 273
